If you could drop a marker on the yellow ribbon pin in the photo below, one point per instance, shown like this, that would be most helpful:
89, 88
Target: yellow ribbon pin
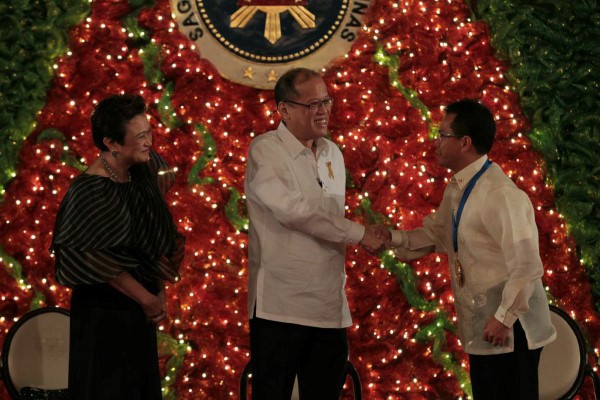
330, 170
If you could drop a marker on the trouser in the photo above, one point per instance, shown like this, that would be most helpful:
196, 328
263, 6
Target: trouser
280, 351
507, 376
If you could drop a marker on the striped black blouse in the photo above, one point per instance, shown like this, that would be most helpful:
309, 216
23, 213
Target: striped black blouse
104, 228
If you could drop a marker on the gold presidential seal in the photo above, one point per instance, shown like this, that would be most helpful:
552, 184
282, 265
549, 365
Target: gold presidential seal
253, 42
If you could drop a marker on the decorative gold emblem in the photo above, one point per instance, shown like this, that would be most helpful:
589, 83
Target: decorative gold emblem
241, 17
253, 42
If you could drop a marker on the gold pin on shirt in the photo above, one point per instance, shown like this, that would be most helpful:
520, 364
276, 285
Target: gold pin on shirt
330, 170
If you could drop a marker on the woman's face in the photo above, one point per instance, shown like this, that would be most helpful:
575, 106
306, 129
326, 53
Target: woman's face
137, 141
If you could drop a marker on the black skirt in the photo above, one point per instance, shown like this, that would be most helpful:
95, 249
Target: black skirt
113, 350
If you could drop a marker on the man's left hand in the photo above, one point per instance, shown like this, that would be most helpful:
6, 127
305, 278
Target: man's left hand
495, 332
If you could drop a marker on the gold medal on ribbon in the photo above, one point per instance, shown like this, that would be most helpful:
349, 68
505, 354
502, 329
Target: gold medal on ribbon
458, 272
330, 170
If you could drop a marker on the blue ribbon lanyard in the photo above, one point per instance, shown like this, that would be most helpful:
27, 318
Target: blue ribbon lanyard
463, 200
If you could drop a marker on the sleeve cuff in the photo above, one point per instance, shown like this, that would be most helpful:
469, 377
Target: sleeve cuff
506, 317
355, 233
399, 239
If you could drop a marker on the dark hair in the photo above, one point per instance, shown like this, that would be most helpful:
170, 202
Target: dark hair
475, 120
285, 88
112, 115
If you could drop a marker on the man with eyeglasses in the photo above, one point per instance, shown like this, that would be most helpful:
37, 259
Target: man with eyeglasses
486, 225
295, 191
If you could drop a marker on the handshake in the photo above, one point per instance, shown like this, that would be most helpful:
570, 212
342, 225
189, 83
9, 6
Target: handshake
376, 238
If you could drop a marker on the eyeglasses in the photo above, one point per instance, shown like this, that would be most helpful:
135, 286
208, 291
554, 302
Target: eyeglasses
442, 135
315, 105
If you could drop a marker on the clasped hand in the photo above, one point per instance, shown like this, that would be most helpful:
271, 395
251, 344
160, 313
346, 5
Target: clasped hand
376, 238
156, 308
495, 332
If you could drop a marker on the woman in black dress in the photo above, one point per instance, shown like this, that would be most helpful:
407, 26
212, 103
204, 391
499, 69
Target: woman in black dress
115, 243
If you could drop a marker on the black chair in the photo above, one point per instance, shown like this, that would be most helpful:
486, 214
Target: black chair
35, 355
563, 363
350, 371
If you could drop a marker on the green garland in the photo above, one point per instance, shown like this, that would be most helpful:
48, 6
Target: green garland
232, 210
176, 351
15, 269
151, 58
392, 63
554, 47
209, 151
435, 331
405, 275
32, 35
67, 156
167, 113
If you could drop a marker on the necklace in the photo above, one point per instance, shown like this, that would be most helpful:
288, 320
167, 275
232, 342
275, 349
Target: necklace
111, 173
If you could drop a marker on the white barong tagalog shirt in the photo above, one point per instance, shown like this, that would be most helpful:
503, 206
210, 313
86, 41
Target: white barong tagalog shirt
498, 249
297, 231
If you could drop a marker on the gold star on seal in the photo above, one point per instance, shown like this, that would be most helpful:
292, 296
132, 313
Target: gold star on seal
272, 76
248, 73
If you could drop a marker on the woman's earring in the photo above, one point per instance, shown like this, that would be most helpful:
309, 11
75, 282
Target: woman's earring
114, 153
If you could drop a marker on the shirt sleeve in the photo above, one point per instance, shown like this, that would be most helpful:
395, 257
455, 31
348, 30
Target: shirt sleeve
409, 245
161, 171
512, 224
270, 183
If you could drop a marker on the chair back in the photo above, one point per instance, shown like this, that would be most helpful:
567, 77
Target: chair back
36, 351
562, 363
